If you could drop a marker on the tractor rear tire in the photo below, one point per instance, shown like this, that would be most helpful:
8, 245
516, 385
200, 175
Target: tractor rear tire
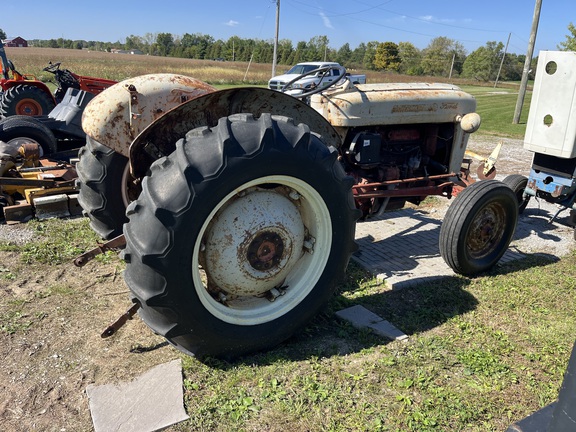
103, 192
239, 236
26, 100
518, 183
478, 227
20, 129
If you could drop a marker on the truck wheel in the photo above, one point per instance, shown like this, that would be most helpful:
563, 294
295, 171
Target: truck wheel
240, 236
105, 188
478, 227
26, 100
21, 129
518, 183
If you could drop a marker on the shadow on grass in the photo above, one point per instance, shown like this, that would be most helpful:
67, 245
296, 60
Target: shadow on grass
412, 309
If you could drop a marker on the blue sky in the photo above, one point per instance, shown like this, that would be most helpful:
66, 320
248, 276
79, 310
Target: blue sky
342, 21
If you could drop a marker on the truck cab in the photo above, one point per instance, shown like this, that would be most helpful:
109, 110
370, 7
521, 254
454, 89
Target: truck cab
311, 81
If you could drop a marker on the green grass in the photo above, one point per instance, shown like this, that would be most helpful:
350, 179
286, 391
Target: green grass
56, 241
496, 108
482, 354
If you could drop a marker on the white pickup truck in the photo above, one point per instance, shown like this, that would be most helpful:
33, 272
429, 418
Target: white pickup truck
336, 73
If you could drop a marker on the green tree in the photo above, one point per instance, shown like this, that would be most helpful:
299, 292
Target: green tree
2, 34
570, 43
369, 53
134, 42
299, 54
483, 63
165, 44
387, 57
343, 55
357, 56
316, 48
439, 55
217, 50
285, 50
410, 59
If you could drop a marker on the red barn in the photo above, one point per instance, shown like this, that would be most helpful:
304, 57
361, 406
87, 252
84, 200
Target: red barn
16, 42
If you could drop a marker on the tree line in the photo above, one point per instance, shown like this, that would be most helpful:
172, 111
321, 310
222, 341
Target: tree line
442, 57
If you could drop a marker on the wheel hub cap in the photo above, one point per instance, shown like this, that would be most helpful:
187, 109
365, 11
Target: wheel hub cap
253, 243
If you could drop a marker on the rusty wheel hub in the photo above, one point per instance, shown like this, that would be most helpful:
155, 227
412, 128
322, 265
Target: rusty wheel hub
265, 251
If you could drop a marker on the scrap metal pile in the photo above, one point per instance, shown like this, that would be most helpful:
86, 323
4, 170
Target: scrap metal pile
33, 186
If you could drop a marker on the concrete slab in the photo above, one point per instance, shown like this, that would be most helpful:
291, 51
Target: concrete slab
52, 206
150, 403
401, 247
360, 317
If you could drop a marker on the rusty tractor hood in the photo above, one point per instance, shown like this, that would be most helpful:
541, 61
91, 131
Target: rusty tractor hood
393, 104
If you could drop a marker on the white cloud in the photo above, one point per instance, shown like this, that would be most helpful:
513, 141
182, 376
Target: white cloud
232, 23
326, 20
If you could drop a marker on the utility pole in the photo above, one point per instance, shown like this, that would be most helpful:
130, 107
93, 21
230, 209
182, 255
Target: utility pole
502, 62
526, 71
276, 38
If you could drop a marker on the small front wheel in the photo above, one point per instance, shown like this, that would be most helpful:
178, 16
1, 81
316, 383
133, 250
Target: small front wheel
478, 227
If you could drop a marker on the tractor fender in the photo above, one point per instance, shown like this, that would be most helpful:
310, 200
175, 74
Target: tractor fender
121, 112
159, 138
8, 84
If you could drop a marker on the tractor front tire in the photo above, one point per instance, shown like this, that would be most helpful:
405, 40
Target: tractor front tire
25, 100
20, 129
104, 191
239, 236
478, 227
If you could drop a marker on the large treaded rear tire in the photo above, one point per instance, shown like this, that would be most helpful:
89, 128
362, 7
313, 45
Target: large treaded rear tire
25, 100
24, 128
101, 178
219, 242
478, 227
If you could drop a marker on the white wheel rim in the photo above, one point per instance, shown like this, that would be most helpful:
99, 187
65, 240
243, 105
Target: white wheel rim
297, 273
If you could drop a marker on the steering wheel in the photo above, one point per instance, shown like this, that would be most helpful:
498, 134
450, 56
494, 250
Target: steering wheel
52, 67
323, 72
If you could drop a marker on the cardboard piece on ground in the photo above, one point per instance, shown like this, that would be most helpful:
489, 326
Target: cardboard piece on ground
151, 402
360, 317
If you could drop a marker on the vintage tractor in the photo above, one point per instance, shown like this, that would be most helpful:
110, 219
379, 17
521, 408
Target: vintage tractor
24, 94
551, 133
57, 132
238, 207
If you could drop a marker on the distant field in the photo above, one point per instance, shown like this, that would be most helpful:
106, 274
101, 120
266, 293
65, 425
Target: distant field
121, 66
496, 106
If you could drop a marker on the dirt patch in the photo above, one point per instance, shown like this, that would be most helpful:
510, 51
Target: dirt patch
52, 349
513, 158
